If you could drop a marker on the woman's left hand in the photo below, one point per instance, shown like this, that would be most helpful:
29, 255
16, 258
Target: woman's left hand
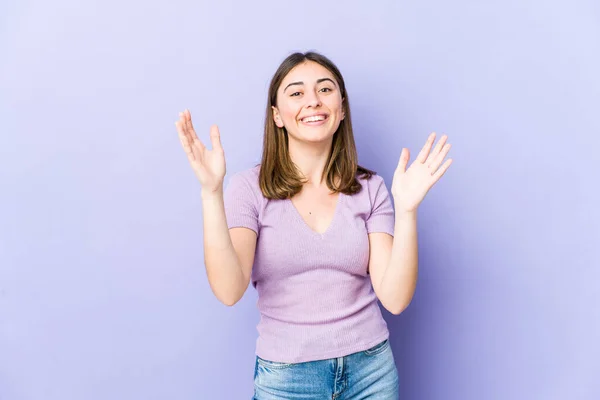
410, 186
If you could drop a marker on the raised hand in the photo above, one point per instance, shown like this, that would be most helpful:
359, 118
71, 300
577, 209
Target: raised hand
208, 165
410, 186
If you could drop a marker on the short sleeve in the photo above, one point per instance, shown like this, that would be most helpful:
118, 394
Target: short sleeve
381, 218
240, 201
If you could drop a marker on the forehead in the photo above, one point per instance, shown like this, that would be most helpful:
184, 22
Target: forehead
307, 72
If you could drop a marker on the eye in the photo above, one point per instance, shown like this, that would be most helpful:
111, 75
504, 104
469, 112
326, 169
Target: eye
325, 89
295, 94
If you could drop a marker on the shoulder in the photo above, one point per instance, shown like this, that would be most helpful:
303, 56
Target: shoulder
245, 182
374, 180
248, 176
374, 195
372, 185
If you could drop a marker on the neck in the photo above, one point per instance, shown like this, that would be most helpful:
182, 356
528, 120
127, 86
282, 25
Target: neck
311, 160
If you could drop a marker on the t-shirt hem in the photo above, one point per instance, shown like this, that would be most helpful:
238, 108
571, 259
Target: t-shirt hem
331, 354
242, 225
381, 230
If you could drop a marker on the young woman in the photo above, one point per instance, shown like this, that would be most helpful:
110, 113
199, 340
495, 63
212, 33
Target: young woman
318, 237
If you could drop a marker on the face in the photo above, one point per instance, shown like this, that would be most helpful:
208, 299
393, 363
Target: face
309, 103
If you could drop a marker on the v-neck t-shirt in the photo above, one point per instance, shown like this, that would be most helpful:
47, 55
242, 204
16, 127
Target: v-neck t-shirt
315, 296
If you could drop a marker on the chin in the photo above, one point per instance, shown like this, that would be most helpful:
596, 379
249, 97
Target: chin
316, 137
320, 134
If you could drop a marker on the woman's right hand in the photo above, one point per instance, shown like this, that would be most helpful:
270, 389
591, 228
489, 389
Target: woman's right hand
208, 165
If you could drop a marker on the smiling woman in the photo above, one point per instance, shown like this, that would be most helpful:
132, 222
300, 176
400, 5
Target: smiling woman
308, 219
308, 110
321, 91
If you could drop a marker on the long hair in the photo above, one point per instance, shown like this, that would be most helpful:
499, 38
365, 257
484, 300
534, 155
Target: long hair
279, 177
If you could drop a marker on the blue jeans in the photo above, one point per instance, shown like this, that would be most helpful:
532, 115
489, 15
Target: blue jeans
369, 374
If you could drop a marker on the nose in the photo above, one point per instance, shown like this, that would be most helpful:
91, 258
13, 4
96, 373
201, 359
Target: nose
312, 99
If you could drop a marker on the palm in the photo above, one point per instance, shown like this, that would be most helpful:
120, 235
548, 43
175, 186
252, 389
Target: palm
410, 186
208, 165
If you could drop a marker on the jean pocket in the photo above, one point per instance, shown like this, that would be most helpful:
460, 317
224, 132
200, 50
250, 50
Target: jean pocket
272, 364
378, 348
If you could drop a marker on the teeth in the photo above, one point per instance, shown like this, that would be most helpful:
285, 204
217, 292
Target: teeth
314, 118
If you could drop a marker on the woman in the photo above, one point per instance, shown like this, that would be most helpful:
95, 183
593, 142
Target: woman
318, 236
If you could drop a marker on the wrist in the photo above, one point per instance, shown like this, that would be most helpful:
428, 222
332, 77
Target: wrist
401, 214
208, 194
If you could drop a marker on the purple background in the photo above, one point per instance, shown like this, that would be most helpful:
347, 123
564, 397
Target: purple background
103, 291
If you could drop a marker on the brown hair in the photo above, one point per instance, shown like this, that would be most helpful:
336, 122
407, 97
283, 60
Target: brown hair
279, 177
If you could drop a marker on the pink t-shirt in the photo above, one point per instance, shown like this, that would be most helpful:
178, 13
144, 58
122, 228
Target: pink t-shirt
315, 296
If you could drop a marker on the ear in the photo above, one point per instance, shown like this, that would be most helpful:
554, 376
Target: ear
343, 109
277, 117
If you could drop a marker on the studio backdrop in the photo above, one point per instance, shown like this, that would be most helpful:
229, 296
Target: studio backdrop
103, 290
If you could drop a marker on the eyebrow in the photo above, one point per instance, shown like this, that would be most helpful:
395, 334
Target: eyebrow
302, 83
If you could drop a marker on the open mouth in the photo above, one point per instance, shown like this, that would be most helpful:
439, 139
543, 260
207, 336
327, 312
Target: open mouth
313, 120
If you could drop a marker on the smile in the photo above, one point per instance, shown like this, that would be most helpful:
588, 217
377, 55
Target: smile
314, 119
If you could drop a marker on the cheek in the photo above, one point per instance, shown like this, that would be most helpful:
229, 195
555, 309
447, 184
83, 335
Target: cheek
337, 105
288, 115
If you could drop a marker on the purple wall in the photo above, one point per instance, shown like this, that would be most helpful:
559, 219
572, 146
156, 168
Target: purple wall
103, 292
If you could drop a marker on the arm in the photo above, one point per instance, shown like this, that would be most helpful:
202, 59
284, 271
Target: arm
228, 253
393, 263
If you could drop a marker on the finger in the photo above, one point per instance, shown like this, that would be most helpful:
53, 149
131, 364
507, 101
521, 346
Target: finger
193, 147
403, 161
436, 151
184, 127
424, 153
187, 115
437, 160
185, 141
440, 172
188, 128
215, 137
179, 125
